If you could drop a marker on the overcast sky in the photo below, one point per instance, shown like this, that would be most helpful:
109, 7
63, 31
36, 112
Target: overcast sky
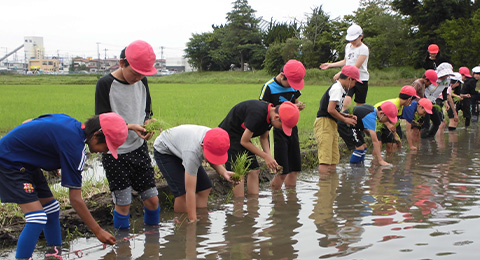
74, 27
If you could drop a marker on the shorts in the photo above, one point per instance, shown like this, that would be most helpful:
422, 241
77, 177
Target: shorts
360, 91
172, 169
385, 136
352, 136
133, 169
287, 150
23, 187
237, 149
325, 132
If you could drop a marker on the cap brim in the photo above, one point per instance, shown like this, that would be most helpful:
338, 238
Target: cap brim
393, 120
352, 37
287, 130
151, 71
359, 81
111, 149
296, 85
429, 111
434, 83
215, 159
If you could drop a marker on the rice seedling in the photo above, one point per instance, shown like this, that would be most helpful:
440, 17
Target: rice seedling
240, 166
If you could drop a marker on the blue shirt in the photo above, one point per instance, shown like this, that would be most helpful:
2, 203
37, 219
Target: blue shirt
276, 94
49, 142
409, 112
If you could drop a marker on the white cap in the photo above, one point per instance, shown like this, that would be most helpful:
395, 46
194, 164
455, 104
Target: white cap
353, 32
476, 69
444, 69
456, 76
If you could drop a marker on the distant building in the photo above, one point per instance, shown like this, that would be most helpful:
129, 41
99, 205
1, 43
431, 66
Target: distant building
178, 64
33, 47
43, 65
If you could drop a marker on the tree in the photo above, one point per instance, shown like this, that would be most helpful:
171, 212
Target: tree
461, 40
386, 34
427, 16
242, 36
280, 32
320, 38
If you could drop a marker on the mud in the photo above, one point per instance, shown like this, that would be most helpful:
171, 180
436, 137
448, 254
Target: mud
101, 205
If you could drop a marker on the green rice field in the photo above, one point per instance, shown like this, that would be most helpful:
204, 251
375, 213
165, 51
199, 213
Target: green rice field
173, 103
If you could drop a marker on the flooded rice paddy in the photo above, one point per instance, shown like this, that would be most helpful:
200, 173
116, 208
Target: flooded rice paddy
425, 207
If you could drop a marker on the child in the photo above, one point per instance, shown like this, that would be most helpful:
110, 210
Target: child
470, 103
367, 116
437, 95
389, 133
457, 97
429, 78
414, 117
433, 58
250, 119
325, 127
51, 142
179, 153
125, 91
356, 53
286, 86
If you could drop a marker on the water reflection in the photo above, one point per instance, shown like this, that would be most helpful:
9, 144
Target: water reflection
424, 207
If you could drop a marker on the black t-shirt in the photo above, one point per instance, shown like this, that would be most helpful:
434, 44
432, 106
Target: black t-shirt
361, 112
469, 86
433, 64
251, 115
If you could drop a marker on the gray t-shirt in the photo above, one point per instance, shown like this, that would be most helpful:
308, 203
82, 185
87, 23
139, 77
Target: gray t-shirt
183, 141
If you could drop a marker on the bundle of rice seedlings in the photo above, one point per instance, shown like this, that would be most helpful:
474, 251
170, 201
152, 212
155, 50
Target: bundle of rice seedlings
240, 166
152, 126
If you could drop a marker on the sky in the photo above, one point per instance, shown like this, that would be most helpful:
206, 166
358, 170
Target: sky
71, 28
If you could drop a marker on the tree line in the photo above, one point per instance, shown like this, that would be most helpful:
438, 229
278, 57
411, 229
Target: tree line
397, 33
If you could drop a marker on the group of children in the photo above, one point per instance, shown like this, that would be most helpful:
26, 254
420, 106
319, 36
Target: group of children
123, 107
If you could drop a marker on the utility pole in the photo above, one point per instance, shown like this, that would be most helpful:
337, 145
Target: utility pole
105, 62
98, 59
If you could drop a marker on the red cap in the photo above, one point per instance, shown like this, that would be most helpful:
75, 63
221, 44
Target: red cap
427, 104
390, 110
432, 76
433, 48
115, 130
295, 72
465, 71
352, 72
215, 145
409, 90
141, 57
289, 115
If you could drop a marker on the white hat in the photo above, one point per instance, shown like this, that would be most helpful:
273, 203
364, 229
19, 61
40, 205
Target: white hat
476, 69
444, 69
456, 76
353, 32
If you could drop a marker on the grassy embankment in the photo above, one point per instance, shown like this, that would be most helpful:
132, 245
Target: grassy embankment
193, 98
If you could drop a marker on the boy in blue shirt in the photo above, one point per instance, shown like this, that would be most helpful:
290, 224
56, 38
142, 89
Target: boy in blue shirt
367, 116
414, 115
52, 142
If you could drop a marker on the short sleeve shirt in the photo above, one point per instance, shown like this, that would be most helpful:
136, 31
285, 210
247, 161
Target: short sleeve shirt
276, 94
49, 142
409, 112
251, 115
334, 93
351, 57
184, 142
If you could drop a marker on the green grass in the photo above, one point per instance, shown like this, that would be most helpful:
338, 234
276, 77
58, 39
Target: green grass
173, 104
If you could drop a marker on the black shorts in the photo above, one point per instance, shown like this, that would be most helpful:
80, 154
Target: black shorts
385, 136
287, 150
360, 91
237, 149
133, 169
23, 187
172, 169
352, 136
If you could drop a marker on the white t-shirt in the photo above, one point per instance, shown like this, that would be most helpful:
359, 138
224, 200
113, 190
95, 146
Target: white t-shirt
351, 57
337, 93
185, 142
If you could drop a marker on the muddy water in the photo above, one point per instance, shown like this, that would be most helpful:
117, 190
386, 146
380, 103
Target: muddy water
426, 207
